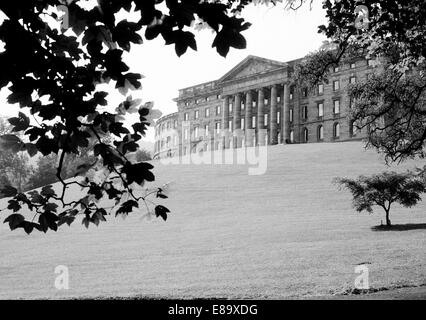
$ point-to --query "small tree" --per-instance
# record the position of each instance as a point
(383, 190)
(143, 155)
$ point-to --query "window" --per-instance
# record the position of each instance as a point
(218, 110)
(291, 136)
(175, 140)
(266, 101)
(253, 122)
(305, 112)
(230, 107)
(320, 132)
(291, 93)
(305, 135)
(336, 69)
(217, 127)
(370, 62)
(279, 99)
(320, 109)
(207, 99)
(291, 115)
(336, 106)
(253, 103)
(186, 103)
(265, 120)
(207, 113)
(206, 130)
(185, 134)
(196, 132)
(196, 114)
(186, 116)
(175, 124)
(320, 88)
(352, 80)
(353, 65)
(305, 92)
(230, 125)
(336, 85)
(278, 117)
(243, 105)
(352, 129)
(242, 124)
(336, 130)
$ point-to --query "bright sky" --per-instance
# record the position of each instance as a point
(275, 33)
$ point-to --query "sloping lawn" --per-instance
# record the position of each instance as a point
(288, 233)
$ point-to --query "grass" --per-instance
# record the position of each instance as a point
(286, 234)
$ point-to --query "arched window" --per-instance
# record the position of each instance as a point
(320, 132)
(336, 130)
(305, 135)
(291, 136)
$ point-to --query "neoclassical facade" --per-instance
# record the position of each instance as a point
(257, 102)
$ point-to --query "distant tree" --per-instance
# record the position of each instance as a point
(383, 190)
(143, 155)
(14, 166)
(44, 173)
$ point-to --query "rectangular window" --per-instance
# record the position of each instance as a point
(186, 116)
(352, 80)
(291, 115)
(196, 114)
(266, 101)
(217, 127)
(279, 99)
(265, 120)
(230, 125)
(336, 69)
(336, 85)
(278, 117)
(243, 105)
(253, 104)
(336, 106)
(320, 109)
(230, 107)
(207, 113)
(305, 112)
(305, 92)
(185, 134)
(217, 110)
(253, 122)
(242, 123)
(175, 124)
(353, 65)
(206, 130)
(320, 88)
(175, 141)
(196, 132)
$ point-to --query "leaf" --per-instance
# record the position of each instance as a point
(14, 205)
(161, 211)
(8, 191)
(14, 220)
(127, 207)
(22, 122)
(47, 191)
(11, 142)
(139, 172)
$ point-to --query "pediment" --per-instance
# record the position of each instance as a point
(250, 66)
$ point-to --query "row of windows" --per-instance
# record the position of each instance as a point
(206, 99)
(166, 126)
(320, 110)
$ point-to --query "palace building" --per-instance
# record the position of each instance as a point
(257, 101)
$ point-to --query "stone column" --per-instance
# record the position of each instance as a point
(273, 139)
(225, 122)
(237, 119)
(247, 121)
(260, 115)
(285, 114)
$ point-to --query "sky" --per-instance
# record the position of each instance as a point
(275, 33)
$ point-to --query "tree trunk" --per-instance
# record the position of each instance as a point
(388, 222)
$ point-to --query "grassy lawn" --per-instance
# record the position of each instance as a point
(285, 234)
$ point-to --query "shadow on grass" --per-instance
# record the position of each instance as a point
(400, 227)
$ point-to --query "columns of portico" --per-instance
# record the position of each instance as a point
(225, 122)
(273, 130)
(285, 113)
